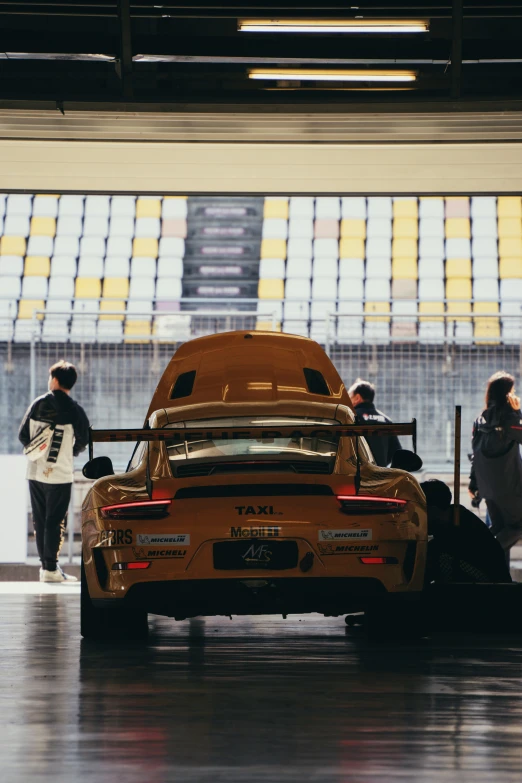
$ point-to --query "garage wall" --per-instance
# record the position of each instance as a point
(270, 168)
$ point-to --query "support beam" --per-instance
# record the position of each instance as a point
(456, 48)
(125, 63)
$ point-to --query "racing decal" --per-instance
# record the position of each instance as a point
(257, 510)
(148, 539)
(112, 537)
(335, 535)
(346, 549)
(268, 531)
(257, 553)
(148, 554)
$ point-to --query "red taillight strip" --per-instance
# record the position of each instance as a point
(132, 566)
(378, 560)
(372, 499)
(137, 503)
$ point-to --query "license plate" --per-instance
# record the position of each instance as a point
(255, 554)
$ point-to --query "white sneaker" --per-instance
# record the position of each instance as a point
(66, 577)
(51, 576)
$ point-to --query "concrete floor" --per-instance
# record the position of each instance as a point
(250, 700)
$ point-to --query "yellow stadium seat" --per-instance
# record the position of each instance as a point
(431, 307)
(458, 228)
(377, 307)
(137, 331)
(486, 327)
(276, 208)
(404, 248)
(406, 228)
(355, 229)
(459, 288)
(273, 248)
(87, 288)
(43, 227)
(509, 228)
(510, 248)
(351, 248)
(148, 207)
(271, 289)
(145, 247)
(115, 288)
(12, 246)
(509, 206)
(108, 306)
(510, 267)
(406, 208)
(37, 266)
(458, 267)
(26, 308)
(404, 269)
(268, 326)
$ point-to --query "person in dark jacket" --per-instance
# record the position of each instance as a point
(497, 464)
(51, 475)
(467, 553)
(362, 395)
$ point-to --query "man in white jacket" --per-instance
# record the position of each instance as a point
(51, 476)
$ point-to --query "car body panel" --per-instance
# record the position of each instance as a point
(258, 509)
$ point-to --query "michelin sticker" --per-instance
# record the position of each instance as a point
(150, 539)
(364, 534)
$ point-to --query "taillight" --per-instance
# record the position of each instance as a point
(370, 504)
(136, 565)
(379, 560)
(142, 509)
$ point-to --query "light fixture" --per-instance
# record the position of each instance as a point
(319, 26)
(324, 75)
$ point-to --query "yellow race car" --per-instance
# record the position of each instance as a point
(250, 491)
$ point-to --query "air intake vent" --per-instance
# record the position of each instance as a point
(304, 466)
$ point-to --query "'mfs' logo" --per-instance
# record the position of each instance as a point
(257, 553)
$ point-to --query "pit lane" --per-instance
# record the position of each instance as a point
(252, 699)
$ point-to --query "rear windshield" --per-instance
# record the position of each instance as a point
(193, 447)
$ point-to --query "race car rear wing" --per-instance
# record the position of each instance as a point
(232, 433)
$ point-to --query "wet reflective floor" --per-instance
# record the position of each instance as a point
(261, 699)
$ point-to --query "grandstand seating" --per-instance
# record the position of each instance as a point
(378, 268)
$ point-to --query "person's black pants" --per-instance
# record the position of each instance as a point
(49, 503)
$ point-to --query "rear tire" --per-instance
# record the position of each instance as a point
(109, 624)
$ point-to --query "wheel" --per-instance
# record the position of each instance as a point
(109, 624)
(398, 621)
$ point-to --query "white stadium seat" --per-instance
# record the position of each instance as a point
(142, 288)
(97, 205)
(168, 288)
(301, 207)
(147, 227)
(16, 225)
(90, 266)
(326, 267)
(10, 266)
(117, 266)
(123, 207)
(326, 248)
(45, 206)
(431, 290)
(432, 247)
(431, 208)
(70, 206)
(122, 226)
(69, 226)
(275, 228)
(458, 248)
(61, 288)
(143, 267)
(328, 207)
(11, 287)
(377, 290)
(63, 265)
(64, 246)
(351, 268)
(431, 227)
(380, 207)
(378, 267)
(484, 207)
(297, 310)
(34, 288)
(301, 228)
(172, 246)
(353, 208)
(96, 226)
(119, 246)
(431, 268)
(19, 204)
(484, 247)
(170, 266)
(298, 266)
(379, 247)
(485, 267)
(40, 246)
(299, 247)
(379, 227)
(174, 208)
(272, 268)
(484, 227)
(92, 246)
(485, 289)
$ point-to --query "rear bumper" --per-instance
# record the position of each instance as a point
(210, 597)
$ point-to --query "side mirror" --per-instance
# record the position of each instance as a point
(406, 460)
(98, 468)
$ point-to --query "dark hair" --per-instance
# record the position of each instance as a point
(498, 388)
(364, 388)
(65, 373)
(437, 493)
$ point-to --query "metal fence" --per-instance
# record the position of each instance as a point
(421, 378)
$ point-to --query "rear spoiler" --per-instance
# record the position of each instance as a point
(223, 433)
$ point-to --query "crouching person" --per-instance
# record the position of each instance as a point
(54, 430)
(467, 553)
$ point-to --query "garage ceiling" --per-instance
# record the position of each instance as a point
(172, 56)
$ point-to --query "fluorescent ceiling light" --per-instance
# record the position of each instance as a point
(353, 26)
(323, 75)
